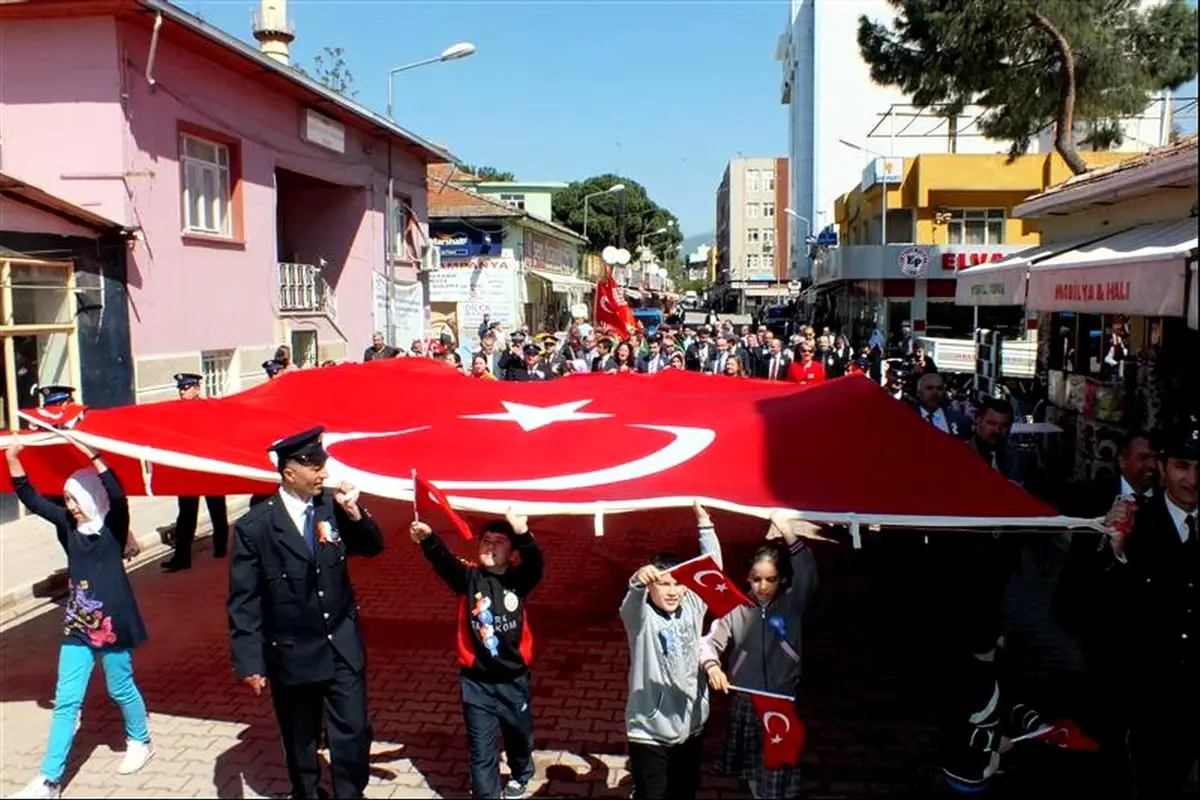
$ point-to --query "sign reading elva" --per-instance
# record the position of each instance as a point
(459, 242)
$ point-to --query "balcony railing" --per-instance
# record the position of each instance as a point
(302, 290)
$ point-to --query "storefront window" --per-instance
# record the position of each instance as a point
(950, 320)
(40, 295)
(975, 226)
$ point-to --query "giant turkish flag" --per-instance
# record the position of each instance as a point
(585, 444)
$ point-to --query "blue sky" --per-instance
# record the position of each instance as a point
(661, 91)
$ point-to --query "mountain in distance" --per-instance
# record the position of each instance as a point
(692, 242)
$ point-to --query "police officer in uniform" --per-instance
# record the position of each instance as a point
(1153, 607)
(293, 621)
(188, 384)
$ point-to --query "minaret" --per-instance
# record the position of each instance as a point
(273, 29)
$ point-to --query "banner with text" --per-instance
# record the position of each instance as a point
(991, 286)
(1151, 289)
(473, 280)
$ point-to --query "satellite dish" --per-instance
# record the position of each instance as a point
(609, 254)
(622, 256)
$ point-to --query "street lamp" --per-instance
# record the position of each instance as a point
(614, 189)
(642, 238)
(883, 189)
(451, 53)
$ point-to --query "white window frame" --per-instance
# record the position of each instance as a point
(751, 211)
(768, 262)
(516, 201)
(753, 181)
(769, 180)
(753, 262)
(956, 225)
(401, 218)
(192, 168)
(768, 210)
(768, 238)
(218, 373)
(753, 235)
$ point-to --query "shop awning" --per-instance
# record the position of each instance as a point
(563, 283)
(1141, 272)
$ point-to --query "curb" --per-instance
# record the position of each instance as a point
(29, 600)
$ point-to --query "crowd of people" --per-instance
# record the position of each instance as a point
(1098, 633)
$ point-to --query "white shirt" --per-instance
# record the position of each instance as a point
(1178, 516)
(1127, 490)
(937, 419)
(776, 366)
(296, 508)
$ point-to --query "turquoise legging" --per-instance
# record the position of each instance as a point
(75, 663)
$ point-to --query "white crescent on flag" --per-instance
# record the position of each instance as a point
(700, 576)
(766, 721)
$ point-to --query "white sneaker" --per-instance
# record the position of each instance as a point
(136, 756)
(39, 787)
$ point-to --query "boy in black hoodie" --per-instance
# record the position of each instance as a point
(495, 646)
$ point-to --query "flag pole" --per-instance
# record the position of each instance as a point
(416, 516)
(761, 693)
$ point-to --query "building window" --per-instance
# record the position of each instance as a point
(768, 262)
(768, 210)
(752, 235)
(769, 180)
(751, 210)
(207, 187)
(752, 181)
(753, 261)
(975, 226)
(513, 201)
(403, 247)
(216, 366)
(768, 239)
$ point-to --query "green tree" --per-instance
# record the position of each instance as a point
(490, 173)
(608, 213)
(1034, 63)
(329, 69)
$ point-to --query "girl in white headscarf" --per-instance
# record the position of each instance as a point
(102, 621)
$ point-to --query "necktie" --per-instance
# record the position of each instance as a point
(1190, 523)
(653, 365)
(775, 368)
(310, 537)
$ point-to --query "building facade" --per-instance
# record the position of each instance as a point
(907, 230)
(498, 258)
(265, 209)
(820, 62)
(752, 232)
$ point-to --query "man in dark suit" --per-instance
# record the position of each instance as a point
(654, 360)
(773, 366)
(699, 354)
(1153, 607)
(993, 424)
(532, 368)
(188, 385)
(930, 403)
(293, 621)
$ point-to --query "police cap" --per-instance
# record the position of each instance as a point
(304, 448)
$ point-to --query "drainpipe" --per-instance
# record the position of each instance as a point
(150, 59)
(387, 248)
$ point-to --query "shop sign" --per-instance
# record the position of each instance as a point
(542, 252)
(1151, 289)
(914, 261)
(474, 280)
(952, 261)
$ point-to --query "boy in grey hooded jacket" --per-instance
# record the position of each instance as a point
(668, 694)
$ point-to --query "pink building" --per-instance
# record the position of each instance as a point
(256, 202)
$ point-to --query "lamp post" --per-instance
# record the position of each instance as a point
(642, 237)
(883, 190)
(614, 189)
(451, 53)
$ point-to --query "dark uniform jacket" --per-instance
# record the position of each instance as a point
(291, 608)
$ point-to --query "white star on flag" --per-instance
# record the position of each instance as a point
(720, 587)
(776, 739)
(531, 418)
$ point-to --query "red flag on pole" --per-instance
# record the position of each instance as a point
(703, 576)
(1065, 734)
(428, 501)
(611, 308)
(783, 732)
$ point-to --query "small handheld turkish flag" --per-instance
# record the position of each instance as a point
(428, 500)
(783, 732)
(1066, 734)
(704, 577)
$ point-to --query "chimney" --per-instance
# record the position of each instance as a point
(273, 29)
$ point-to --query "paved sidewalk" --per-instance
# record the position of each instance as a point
(33, 565)
(214, 739)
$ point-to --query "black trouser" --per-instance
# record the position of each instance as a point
(491, 708)
(666, 772)
(341, 704)
(185, 527)
(1163, 751)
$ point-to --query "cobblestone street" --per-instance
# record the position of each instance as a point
(213, 738)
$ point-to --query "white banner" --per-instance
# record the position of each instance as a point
(991, 286)
(1151, 289)
(408, 311)
(475, 280)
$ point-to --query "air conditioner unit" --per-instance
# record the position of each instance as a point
(431, 258)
